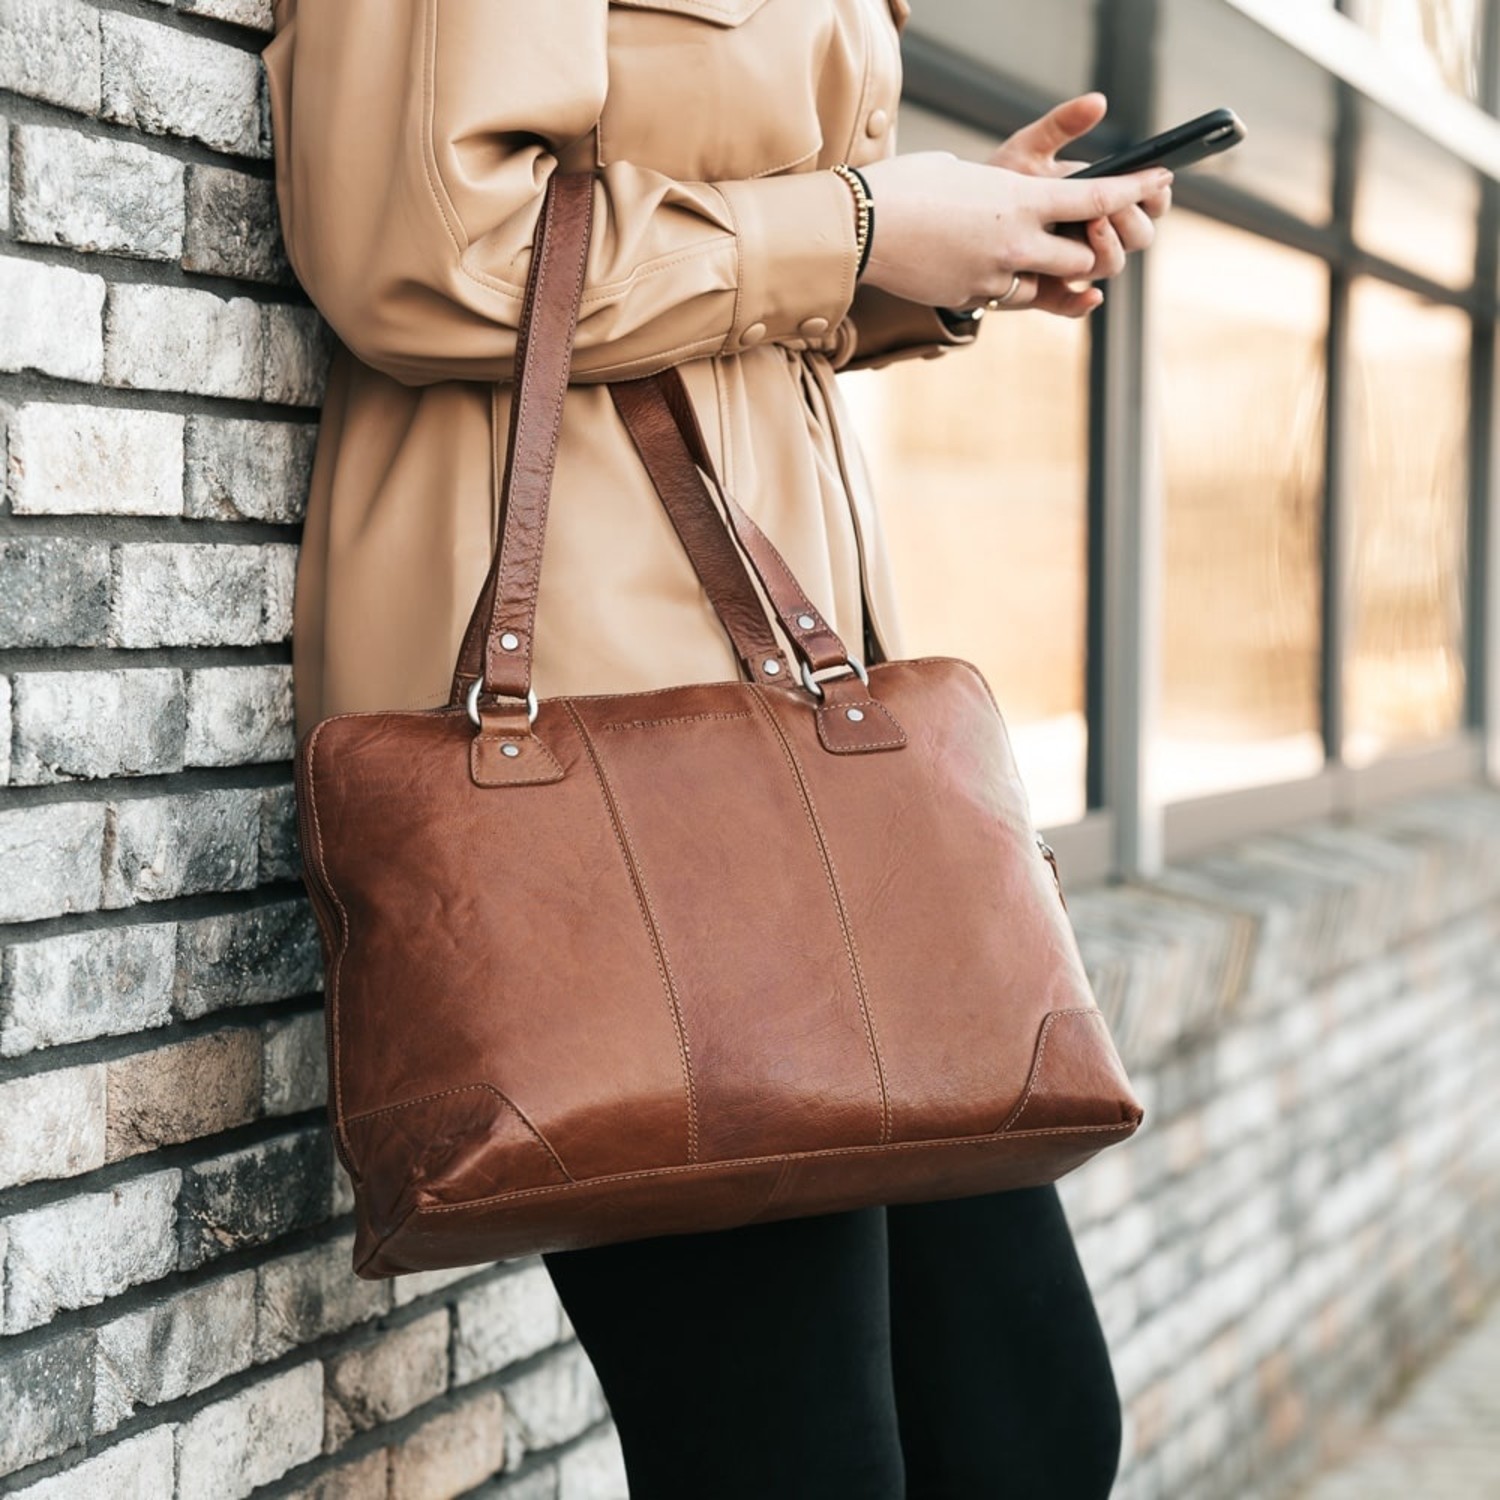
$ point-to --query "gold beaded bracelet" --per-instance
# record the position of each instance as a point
(864, 208)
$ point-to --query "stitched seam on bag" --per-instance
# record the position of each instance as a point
(830, 874)
(648, 915)
(1041, 1052)
(542, 778)
(332, 978)
(465, 1088)
(987, 1139)
(743, 713)
(855, 748)
(523, 395)
(895, 744)
(388, 1237)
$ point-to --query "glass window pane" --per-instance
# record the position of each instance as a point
(980, 464)
(1241, 328)
(1415, 204)
(1210, 55)
(1404, 681)
(1437, 39)
(1048, 47)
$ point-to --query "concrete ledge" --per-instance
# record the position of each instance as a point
(1243, 929)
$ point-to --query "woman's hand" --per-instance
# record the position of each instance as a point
(956, 233)
(1034, 150)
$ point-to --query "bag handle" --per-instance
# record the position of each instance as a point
(496, 652)
(495, 657)
(659, 412)
(497, 645)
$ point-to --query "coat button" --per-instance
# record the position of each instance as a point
(877, 122)
(813, 327)
(753, 334)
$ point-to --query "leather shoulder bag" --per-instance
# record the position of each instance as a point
(600, 968)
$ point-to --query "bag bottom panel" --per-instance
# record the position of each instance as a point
(724, 1195)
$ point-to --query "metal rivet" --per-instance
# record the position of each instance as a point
(856, 714)
(806, 621)
(510, 640)
(771, 666)
(511, 750)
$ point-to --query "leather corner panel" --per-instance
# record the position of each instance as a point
(467, 1142)
(1076, 1077)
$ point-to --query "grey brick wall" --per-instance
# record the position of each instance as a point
(1312, 1017)
(177, 1316)
(1313, 1207)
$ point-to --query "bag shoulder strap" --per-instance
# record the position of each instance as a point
(497, 646)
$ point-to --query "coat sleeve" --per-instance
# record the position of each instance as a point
(887, 328)
(414, 140)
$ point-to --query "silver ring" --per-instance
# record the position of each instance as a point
(1008, 293)
(472, 704)
(816, 688)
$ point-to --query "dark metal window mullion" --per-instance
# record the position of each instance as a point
(1482, 595)
(1338, 499)
(1121, 641)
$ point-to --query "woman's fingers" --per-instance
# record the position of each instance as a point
(1025, 295)
(1109, 251)
(1064, 301)
(1065, 200)
(1002, 220)
(1040, 141)
(1156, 205)
(1061, 255)
(1135, 228)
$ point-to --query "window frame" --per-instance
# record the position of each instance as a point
(1124, 834)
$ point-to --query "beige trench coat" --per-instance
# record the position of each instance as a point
(414, 140)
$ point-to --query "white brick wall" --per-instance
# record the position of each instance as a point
(83, 460)
(1311, 1204)
(92, 193)
(54, 320)
(173, 1229)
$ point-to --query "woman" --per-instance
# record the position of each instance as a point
(933, 1351)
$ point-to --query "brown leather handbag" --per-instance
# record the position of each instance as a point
(600, 968)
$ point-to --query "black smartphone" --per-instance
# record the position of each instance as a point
(1179, 147)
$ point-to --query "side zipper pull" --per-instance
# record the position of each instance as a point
(1051, 858)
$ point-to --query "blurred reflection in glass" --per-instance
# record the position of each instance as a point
(1241, 391)
(1410, 395)
(1048, 48)
(1415, 204)
(1208, 54)
(1439, 39)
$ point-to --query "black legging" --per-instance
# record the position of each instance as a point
(946, 1351)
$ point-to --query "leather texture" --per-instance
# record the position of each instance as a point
(411, 160)
(705, 955)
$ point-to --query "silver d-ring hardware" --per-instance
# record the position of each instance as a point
(472, 704)
(815, 687)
